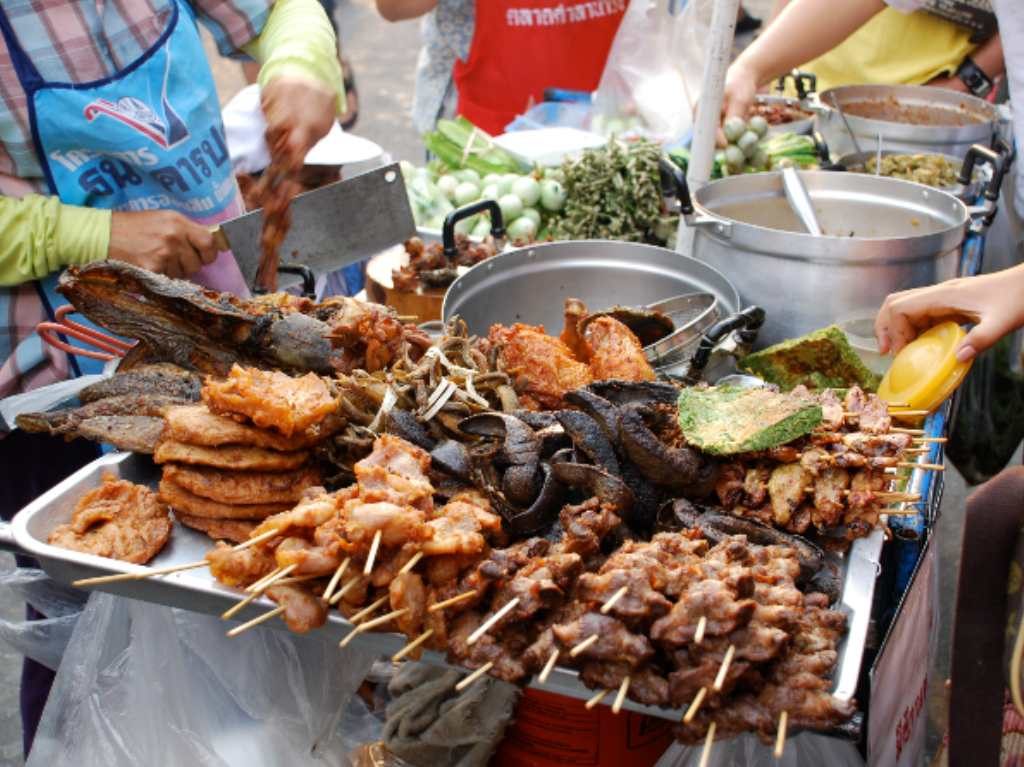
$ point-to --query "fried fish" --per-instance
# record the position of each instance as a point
(242, 487)
(234, 530)
(236, 457)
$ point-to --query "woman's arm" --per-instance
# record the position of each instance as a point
(399, 10)
(803, 30)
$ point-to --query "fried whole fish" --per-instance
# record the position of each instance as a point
(180, 322)
(162, 379)
(66, 421)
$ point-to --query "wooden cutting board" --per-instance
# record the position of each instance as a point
(425, 305)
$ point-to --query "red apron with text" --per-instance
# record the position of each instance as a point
(521, 47)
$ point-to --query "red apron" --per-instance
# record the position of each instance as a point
(521, 47)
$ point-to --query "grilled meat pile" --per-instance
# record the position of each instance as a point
(429, 267)
(834, 477)
(673, 606)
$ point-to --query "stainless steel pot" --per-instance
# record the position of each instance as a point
(530, 284)
(954, 120)
(881, 235)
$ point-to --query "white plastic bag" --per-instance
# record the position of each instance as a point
(143, 684)
(44, 641)
(651, 81)
(807, 749)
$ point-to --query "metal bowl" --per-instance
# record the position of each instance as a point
(531, 284)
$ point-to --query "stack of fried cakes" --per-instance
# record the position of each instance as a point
(245, 452)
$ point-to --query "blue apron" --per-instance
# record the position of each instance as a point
(149, 137)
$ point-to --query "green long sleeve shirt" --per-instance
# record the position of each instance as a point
(40, 235)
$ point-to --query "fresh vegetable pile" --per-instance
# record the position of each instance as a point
(752, 150)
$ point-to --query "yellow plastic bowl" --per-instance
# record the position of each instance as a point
(926, 371)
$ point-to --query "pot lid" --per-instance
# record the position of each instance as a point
(926, 371)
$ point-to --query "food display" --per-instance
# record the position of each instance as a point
(779, 113)
(430, 268)
(517, 502)
(928, 169)
(752, 150)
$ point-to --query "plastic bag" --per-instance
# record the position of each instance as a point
(989, 421)
(45, 640)
(146, 684)
(651, 82)
(807, 749)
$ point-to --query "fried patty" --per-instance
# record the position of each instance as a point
(196, 425)
(234, 530)
(181, 500)
(119, 520)
(236, 457)
(239, 487)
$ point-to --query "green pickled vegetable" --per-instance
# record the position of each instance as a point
(526, 189)
(465, 193)
(552, 195)
(733, 128)
(522, 229)
(511, 207)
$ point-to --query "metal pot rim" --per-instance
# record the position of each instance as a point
(828, 248)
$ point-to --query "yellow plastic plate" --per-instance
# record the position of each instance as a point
(926, 371)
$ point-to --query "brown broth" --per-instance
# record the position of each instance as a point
(891, 110)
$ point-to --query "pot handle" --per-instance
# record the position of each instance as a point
(673, 184)
(308, 278)
(748, 322)
(821, 146)
(480, 206)
(805, 83)
(978, 154)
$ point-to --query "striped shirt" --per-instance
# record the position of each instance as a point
(78, 41)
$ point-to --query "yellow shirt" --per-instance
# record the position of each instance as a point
(894, 49)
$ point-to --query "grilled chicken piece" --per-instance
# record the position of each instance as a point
(303, 611)
(788, 487)
(830, 497)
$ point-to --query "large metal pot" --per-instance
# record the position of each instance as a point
(912, 118)
(881, 235)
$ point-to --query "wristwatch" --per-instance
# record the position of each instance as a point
(974, 78)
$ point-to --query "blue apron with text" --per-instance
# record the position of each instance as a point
(149, 137)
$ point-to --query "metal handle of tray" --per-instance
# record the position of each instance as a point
(7, 542)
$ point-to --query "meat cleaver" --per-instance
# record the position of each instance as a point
(333, 226)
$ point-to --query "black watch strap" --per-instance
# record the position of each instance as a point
(974, 78)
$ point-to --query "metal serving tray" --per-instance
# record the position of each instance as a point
(197, 590)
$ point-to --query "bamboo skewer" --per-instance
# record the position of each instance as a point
(368, 567)
(256, 621)
(258, 539)
(487, 624)
(691, 712)
(344, 590)
(546, 671)
(411, 563)
(451, 601)
(724, 670)
(595, 699)
(230, 612)
(273, 578)
(583, 645)
(296, 579)
(708, 742)
(412, 645)
(363, 627)
(702, 625)
(137, 576)
(610, 602)
(780, 739)
(366, 611)
(474, 676)
(925, 466)
(932, 440)
(336, 579)
(901, 430)
(620, 696)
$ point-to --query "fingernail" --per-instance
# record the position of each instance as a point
(965, 353)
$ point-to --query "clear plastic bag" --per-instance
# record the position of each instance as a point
(807, 749)
(44, 641)
(651, 82)
(153, 685)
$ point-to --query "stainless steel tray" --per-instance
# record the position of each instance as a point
(197, 590)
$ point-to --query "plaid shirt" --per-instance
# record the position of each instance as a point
(79, 41)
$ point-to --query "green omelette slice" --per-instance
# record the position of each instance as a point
(727, 420)
(823, 359)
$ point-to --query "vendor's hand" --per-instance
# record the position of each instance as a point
(992, 301)
(160, 240)
(299, 112)
(740, 91)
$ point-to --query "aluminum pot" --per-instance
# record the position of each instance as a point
(881, 235)
(910, 118)
(530, 284)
